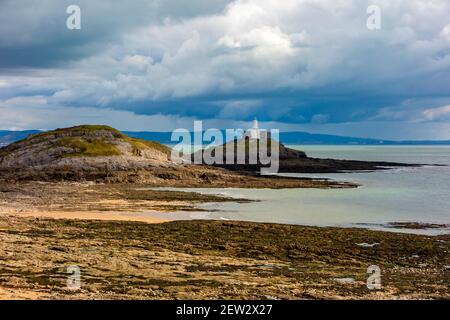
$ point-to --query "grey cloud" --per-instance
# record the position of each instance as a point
(264, 53)
(34, 33)
(292, 62)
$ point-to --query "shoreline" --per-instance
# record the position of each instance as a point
(93, 216)
(157, 217)
(143, 203)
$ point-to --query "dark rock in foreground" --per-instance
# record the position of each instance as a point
(216, 260)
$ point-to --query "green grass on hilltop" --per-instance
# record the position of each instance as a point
(83, 129)
(138, 145)
(88, 147)
(86, 143)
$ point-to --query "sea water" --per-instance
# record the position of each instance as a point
(408, 194)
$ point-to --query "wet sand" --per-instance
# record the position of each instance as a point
(93, 215)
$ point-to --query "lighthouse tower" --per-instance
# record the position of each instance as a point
(254, 132)
(255, 124)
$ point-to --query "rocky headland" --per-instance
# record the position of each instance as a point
(103, 154)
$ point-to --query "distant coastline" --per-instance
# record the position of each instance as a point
(288, 138)
(304, 138)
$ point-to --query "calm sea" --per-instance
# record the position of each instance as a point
(399, 195)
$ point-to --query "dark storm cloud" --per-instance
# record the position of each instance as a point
(34, 33)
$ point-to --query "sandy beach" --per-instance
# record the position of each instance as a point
(94, 215)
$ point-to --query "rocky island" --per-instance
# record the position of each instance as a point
(104, 154)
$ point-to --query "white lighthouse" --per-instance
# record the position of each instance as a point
(254, 132)
(255, 124)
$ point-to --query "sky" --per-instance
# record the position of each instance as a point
(295, 65)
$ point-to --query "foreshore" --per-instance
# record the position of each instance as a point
(124, 253)
(215, 260)
(106, 200)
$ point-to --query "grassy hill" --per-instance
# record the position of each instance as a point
(86, 141)
(81, 151)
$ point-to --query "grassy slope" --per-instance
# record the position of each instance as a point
(80, 138)
(88, 147)
(80, 130)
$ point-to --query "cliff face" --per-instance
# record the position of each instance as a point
(83, 148)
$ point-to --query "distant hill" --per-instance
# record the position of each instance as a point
(302, 138)
(287, 138)
(305, 138)
(7, 137)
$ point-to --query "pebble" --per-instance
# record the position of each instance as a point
(423, 265)
(271, 298)
(367, 245)
(344, 280)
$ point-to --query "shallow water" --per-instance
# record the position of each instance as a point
(399, 195)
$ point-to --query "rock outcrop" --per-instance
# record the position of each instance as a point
(290, 160)
(81, 151)
(245, 146)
